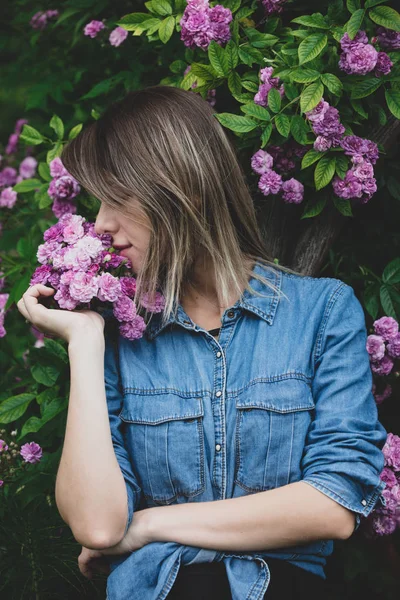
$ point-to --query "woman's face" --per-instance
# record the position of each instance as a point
(124, 231)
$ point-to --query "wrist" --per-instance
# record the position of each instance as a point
(84, 339)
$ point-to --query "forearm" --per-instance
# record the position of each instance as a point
(90, 488)
(290, 515)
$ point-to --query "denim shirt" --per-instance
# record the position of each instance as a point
(283, 395)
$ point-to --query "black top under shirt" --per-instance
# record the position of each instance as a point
(215, 331)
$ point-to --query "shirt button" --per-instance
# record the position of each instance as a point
(231, 314)
(218, 447)
(219, 393)
(219, 354)
(364, 502)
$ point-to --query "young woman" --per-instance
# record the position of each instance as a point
(220, 454)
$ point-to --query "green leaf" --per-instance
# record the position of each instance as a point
(58, 126)
(311, 47)
(255, 110)
(274, 100)
(371, 3)
(218, 59)
(266, 134)
(310, 158)
(312, 209)
(342, 165)
(353, 5)
(44, 171)
(25, 248)
(393, 102)
(391, 273)
(166, 29)
(354, 23)
(234, 83)
(34, 424)
(54, 152)
(390, 300)
(291, 91)
(106, 86)
(44, 200)
(232, 54)
(282, 123)
(371, 299)
(358, 107)
(385, 16)
(343, 205)
(324, 172)
(45, 374)
(14, 407)
(393, 185)
(56, 348)
(177, 66)
(27, 185)
(315, 20)
(160, 7)
(333, 83)
(205, 72)
(299, 129)
(31, 136)
(365, 88)
(250, 85)
(305, 75)
(236, 122)
(311, 96)
(248, 55)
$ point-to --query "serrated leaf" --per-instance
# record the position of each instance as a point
(365, 88)
(205, 72)
(236, 122)
(299, 129)
(393, 102)
(305, 75)
(353, 5)
(255, 110)
(234, 83)
(354, 23)
(160, 7)
(54, 152)
(218, 59)
(390, 300)
(333, 83)
(393, 186)
(250, 86)
(311, 96)
(14, 407)
(274, 100)
(311, 47)
(324, 172)
(310, 158)
(341, 166)
(56, 348)
(391, 273)
(385, 16)
(291, 91)
(58, 126)
(44, 171)
(232, 54)
(44, 200)
(371, 3)
(312, 209)
(31, 135)
(315, 20)
(371, 299)
(27, 185)
(45, 374)
(343, 205)
(166, 29)
(266, 134)
(282, 123)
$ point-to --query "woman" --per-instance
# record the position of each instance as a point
(239, 436)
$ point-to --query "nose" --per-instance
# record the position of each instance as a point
(104, 222)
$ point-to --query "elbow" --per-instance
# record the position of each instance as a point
(96, 540)
(345, 525)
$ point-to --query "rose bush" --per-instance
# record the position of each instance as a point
(308, 91)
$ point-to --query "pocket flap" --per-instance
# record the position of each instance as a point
(284, 395)
(158, 408)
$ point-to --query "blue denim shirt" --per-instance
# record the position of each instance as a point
(284, 394)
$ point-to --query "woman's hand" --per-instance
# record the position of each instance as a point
(92, 561)
(61, 323)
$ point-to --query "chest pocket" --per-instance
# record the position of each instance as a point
(165, 437)
(272, 420)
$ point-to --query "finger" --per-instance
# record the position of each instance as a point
(22, 309)
(30, 299)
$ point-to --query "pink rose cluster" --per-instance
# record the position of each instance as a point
(63, 189)
(200, 24)
(116, 37)
(286, 156)
(273, 6)
(325, 123)
(12, 145)
(267, 83)
(271, 182)
(359, 57)
(40, 19)
(384, 520)
(210, 93)
(84, 269)
(383, 346)
(31, 452)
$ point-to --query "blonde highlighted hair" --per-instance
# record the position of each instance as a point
(163, 147)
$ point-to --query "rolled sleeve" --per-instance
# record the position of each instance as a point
(114, 404)
(343, 455)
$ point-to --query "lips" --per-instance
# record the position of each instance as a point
(122, 247)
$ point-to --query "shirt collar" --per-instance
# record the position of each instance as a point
(264, 306)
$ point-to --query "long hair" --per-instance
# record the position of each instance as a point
(163, 147)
